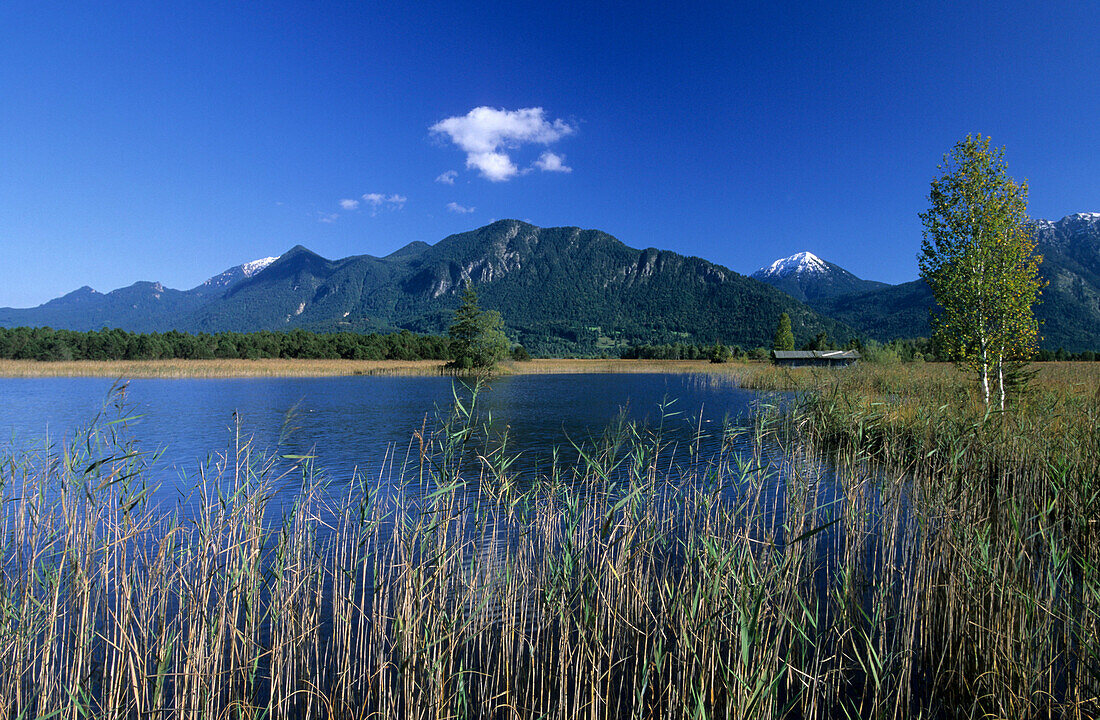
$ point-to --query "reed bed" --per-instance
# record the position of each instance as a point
(268, 367)
(281, 367)
(560, 366)
(803, 572)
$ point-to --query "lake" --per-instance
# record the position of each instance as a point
(351, 424)
(792, 584)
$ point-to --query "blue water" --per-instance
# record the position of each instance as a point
(351, 424)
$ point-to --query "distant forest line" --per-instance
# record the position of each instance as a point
(114, 344)
(47, 344)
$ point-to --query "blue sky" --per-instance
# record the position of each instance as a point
(169, 141)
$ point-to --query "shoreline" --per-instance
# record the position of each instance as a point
(278, 367)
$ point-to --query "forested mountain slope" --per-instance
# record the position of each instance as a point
(560, 290)
(1069, 307)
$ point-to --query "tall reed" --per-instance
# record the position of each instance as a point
(954, 576)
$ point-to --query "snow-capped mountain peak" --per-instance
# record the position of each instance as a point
(232, 275)
(797, 264)
(251, 268)
(804, 276)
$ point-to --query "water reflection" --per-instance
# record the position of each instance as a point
(367, 425)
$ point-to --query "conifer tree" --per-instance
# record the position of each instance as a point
(477, 336)
(784, 337)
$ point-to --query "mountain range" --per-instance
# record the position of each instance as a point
(560, 290)
(1068, 310)
(567, 290)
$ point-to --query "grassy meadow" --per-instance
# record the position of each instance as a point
(904, 554)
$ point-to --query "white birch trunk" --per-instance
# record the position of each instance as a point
(1001, 382)
(985, 376)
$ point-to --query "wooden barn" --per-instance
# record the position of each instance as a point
(815, 358)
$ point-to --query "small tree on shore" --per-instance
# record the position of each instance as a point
(784, 336)
(978, 256)
(719, 353)
(477, 336)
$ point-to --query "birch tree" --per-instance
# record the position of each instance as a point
(978, 256)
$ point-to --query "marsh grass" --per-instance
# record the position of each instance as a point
(278, 367)
(942, 564)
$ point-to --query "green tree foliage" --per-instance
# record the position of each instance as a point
(784, 337)
(48, 344)
(978, 256)
(666, 351)
(477, 336)
(905, 350)
(720, 353)
(821, 342)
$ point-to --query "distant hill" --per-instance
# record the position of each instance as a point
(806, 277)
(141, 307)
(560, 290)
(1069, 308)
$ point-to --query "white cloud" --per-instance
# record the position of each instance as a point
(460, 209)
(381, 201)
(495, 166)
(447, 178)
(552, 162)
(328, 217)
(349, 204)
(484, 133)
